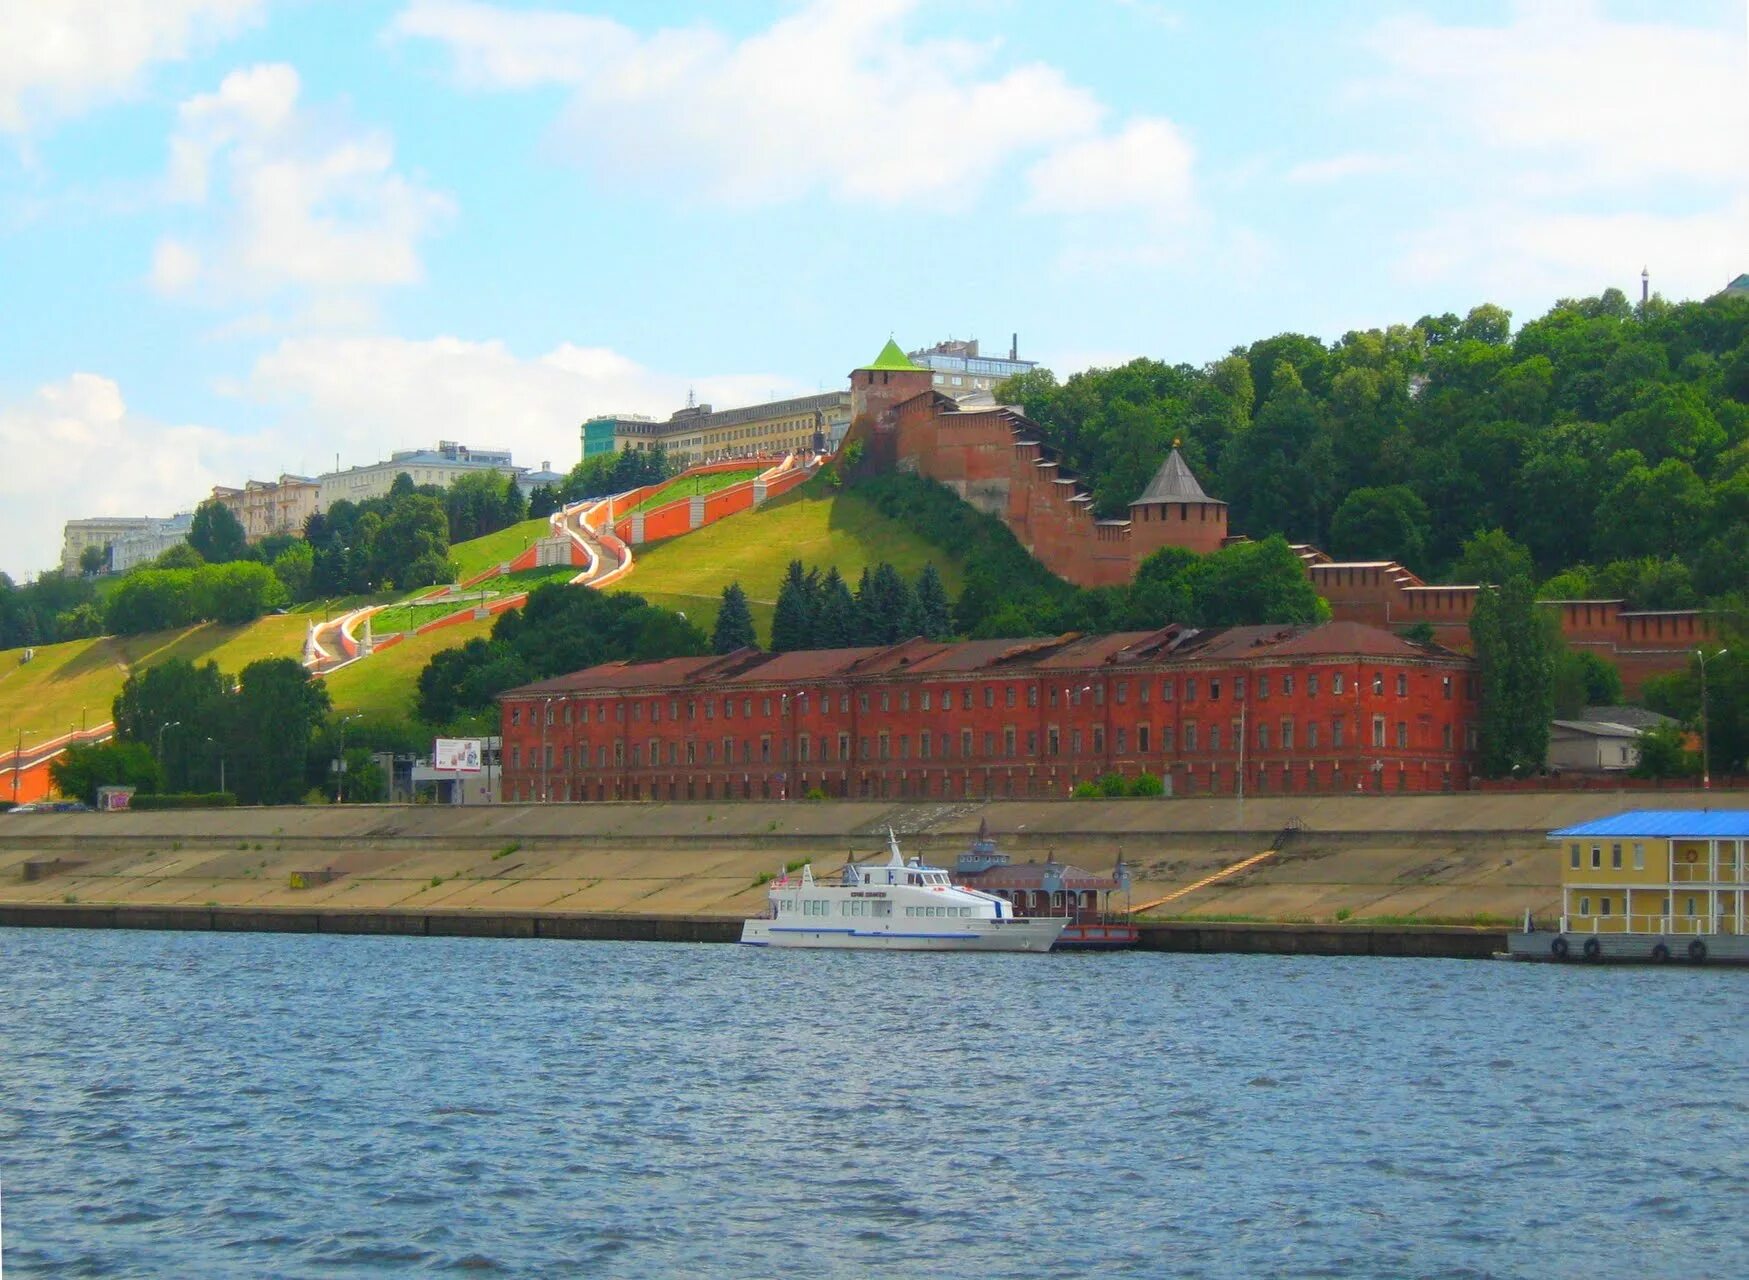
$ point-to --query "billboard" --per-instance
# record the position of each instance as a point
(458, 755)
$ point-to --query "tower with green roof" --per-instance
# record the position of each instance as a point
(877, 389)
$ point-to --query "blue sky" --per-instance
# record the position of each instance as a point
(239, 237)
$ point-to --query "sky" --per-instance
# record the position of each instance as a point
(246, 237)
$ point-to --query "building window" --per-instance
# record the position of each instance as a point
(1312, 736)
(927, 704)
(1214, 690)
(1099, 739)
(1287, 735)
(1190, 735)
(1445, 736)
(1603, 904)
(923, 745)
(1311, 686)
(1615, 857)
(965, 744)
(1445, 687)
(1238, 688)
(1287, 686)
(515, 716)
(989, 695)
(1053, 743)
(1336, 733)
(1008, 742)
(1189, 689)
(1402, 734)
(1596, 857)
(1214, 738)
(1032, 695)
(1585, 906)
(1142, 736)
(1008, 696)
(1378, 731)
(1032, 744)
(1262, 686)
(1573, 856)
(1402, 684)
(1378, 682)
(1262, 737)
(1166, 688)
(1639, 856)
(989, 744)
(1336, 682)
(1120, 741)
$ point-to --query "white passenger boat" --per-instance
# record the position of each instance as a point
(898, 906)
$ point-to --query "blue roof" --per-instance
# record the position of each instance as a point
(1668, 824)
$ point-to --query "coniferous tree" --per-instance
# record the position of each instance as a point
(1515, 651)
(885, 603)
(835, 619)
(934, 612)
(792, 625)
(734, 629)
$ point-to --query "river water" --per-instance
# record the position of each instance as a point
(183, 1104)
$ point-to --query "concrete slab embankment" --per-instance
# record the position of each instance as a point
(1385, 858)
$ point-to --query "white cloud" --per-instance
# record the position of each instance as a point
(107, 461)
(1148, 166)
(58, 57)
(1572, 148)
(1509, 251)
(365, 396)
(1595, 102)
(834, 97)
(1351, 164)
(304, 201)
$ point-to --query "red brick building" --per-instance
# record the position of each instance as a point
(1330, 708)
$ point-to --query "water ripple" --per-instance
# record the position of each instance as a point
(179, 1104)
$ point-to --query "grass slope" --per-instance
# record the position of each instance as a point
(820, 527)
(78, 680)
(385, 684)
(480, 554)
(694, 487)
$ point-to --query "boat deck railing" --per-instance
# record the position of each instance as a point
(1649, 924)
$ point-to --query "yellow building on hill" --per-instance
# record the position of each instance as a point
(1651, 884)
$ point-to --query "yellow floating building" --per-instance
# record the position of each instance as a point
(1650, 884)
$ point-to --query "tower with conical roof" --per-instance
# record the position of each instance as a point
(1173, 511)
(876, 391)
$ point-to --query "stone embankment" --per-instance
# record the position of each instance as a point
(1361, 875)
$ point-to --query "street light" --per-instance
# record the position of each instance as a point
(173, 724)
(1706, 774)
(18, 761)
(214, 742)
(340, 757)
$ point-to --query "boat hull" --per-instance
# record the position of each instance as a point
(1629, 948)
(979, 935)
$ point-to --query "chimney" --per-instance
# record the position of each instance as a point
(1645, 286)
(1014, 347)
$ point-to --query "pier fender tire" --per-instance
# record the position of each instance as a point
(1558, 948)
(1697, 951)
(1661, 953)
(1593, 949)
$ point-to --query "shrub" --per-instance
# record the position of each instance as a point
(185, 800)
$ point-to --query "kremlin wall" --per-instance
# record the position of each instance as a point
(995, 459)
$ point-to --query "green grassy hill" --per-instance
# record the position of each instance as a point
(814, 524)
(75, 682)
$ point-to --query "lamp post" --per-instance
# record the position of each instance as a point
(173, 724)
(18, 761)
(340, 756)
(1706, 774)
(546, 718)
(214, 742)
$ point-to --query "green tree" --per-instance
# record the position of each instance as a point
(174, 706)
(79, 771)
(216, 534)
(94, 560)
(883, 605)
(792, 623)
(734, 629)
(1514, 647)
(1664, 753)
(1492, 558)
(1582, 679)
(1388, 523)
(277, 708)
(835, 624)
(295, 567)
(934, 612)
